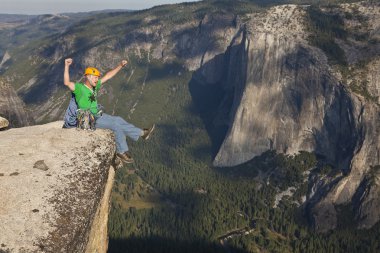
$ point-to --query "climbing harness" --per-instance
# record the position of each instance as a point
(85, 120)
(81, 118)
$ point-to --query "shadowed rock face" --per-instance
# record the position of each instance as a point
(3, 123)
(359, 187)
(55, 186)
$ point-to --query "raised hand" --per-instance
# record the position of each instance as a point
(68, 61)
(123, 63)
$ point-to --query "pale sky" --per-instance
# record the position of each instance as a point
(60, 6)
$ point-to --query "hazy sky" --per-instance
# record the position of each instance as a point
(59, 6)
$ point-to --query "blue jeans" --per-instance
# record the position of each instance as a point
(121, 128)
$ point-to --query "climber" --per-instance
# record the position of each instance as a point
(86, 99)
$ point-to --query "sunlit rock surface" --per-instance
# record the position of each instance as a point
(54, 185)
(3, 123)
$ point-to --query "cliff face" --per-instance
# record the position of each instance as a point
(289, 99)
(292, 99)
(3, 123)
(55, 185)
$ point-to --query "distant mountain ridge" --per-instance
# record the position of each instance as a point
(6, 17)
(13, 17)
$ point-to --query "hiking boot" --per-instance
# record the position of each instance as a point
(147, 132)
(125, 157)
(116, 162)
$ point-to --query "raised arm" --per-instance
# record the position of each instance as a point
(66, 75)
(113, 72)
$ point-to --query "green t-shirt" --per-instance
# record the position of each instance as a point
(86, 97)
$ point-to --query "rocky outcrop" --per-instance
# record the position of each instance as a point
(55, 185)
(3, 123)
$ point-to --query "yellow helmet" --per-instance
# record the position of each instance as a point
(92, 71)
